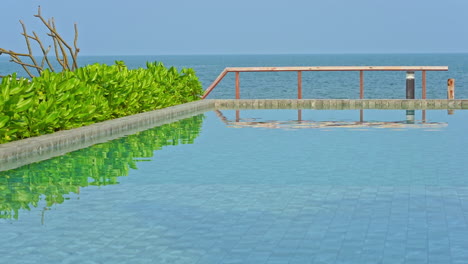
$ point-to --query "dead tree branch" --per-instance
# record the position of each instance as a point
(62, 49)
(56, 35)
(44, 51)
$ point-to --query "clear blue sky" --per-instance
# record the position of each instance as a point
(155, 27)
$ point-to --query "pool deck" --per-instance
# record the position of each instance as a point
(22, 152)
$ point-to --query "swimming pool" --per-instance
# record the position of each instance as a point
(339, 186)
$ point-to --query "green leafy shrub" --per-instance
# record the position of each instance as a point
(98, 92)
(98, 165)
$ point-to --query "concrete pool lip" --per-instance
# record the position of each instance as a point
(18, 153)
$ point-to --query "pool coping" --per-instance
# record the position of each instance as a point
(18, 153)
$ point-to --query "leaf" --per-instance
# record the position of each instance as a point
(23, 105)
(3, 120)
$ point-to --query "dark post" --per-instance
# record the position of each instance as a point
(410, 116)
(409, 85)
(410, 95)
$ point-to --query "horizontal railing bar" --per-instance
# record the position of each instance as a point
(338, 68)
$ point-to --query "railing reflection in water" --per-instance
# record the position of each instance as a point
(409, 121)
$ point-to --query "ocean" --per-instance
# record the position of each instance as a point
(283, 85)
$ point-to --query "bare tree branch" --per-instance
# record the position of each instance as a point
(44, 51)
(17, 60)
(26, 37)
(57, 55)
(61, 47)
(54, 32)
(60, 44)
(75, 42)
(12, 52)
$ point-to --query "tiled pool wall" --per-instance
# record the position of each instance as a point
(22, 152)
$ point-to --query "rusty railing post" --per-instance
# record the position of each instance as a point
(299, 84)
(423, 84)
(451, 89)
(237, 85)
(361, 84)
(450, 93)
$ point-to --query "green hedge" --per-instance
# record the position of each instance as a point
(54, 179)
(98, 92)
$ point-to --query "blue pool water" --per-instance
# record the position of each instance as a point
(336, 187)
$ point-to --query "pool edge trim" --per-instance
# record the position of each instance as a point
(22, 152)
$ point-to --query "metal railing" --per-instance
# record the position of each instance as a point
(299, 70)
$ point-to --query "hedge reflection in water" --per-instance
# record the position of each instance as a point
(97, 165)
